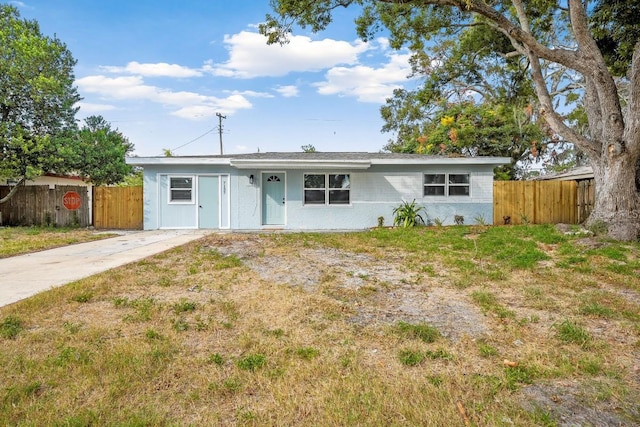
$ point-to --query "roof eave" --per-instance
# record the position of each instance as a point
(437, 160)
(299, 164)
(156, 161)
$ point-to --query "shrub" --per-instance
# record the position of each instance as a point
(408, 215)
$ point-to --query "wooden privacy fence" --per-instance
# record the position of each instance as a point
(64, 205)
(542, 202)
(118, 208)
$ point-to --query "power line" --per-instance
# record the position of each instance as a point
(194, 139)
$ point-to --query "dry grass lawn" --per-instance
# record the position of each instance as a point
(482, 326)
(21, 240)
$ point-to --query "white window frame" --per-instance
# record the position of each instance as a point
(170, 189)
(447, 185)
(326, 189)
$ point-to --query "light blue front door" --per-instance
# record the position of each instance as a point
(208, 202)
(273, 201)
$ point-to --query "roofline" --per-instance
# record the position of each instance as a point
(424, 160)
(275, 162)
(299, 163)
(143, 161)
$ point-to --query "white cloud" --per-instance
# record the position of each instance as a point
(160, 69)
(191, 105)
(91, 108)
(250, 56)
(287, 91)
(366, 83)
(251, 93)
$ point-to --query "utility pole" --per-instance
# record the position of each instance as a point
(220, 117)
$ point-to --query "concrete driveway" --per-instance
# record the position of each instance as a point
(26, 275)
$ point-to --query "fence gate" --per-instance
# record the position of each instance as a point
(535, 202)
(118, 208)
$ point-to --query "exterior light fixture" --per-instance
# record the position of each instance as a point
(251, 179)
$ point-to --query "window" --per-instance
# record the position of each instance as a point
(323, 189)
(180, 189)
(440, 184)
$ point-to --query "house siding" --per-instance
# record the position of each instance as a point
(375, 192)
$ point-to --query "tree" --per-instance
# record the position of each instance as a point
(545, 34)
(308, 148)
(467, 128)
(37, 99)
(100, 152)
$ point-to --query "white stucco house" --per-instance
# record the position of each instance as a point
(311, 191)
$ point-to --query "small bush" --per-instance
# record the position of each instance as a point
(408, 215)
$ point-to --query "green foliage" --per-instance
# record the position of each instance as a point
(465, 128)
(184, 306)
(100, 152)
(38, 129)
(571, 332)
(411, 357)
(616, 28)
(82, 297)
(251, 362)
(217, 359)
(307, 353)
(10, 327)
(309, 148)
(37, 99)
(421, 331)
(408, 215)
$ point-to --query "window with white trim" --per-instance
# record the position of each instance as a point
(180, 189)
(447, 184)
(327, 189)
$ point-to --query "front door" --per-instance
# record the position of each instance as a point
(208, 202)
(273, 199)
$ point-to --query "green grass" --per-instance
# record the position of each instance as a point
(420, 331)
(571, 332)
(10, 327)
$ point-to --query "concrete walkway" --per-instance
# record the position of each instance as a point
(26, 275)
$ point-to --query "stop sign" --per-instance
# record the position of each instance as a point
(71, 200)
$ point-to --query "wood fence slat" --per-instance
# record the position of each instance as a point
(41, 205)
(542, 202)
(118, 208)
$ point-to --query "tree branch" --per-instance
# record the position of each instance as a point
(546, 101)
(13, 191)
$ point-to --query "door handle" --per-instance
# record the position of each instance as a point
(283, 200)
(200, 206)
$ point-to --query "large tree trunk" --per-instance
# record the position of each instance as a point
(617, 203)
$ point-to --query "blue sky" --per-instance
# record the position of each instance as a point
(159, 71)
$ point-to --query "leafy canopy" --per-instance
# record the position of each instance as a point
(37, 98)
(38, 129)
(100, 152)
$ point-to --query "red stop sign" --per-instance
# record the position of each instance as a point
(71, 200)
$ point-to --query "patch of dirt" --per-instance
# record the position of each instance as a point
(572, 404)
(392, 294)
